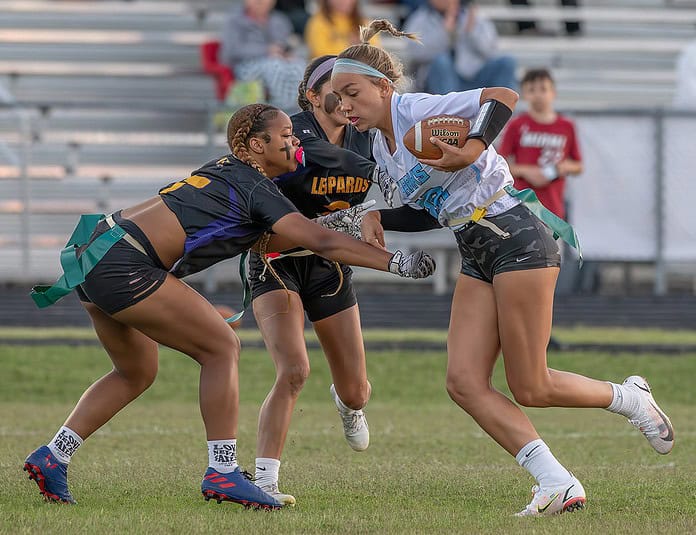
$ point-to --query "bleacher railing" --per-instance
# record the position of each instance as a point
(633, 202)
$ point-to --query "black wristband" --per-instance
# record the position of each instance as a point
(490, 121)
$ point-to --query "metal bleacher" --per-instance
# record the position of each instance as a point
(111, 104)
(110, 101)
(624, 57)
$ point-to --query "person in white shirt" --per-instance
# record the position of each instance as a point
(503, 298)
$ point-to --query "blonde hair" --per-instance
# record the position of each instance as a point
(376, 57)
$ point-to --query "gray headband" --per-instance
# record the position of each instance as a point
(323, 68)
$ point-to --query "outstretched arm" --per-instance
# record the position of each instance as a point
(339, 247)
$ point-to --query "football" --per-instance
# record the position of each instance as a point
(448, 128)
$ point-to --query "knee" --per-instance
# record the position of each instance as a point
(464, 392)
(532, 393)
(223, 347)
(141, 378)
(293, 377)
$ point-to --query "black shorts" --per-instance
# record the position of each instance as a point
(312, 277)
(124, 276)
(530, 246)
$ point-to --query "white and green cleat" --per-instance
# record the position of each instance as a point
(564, 499)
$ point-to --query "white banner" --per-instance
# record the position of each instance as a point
(680, 189)
(612, 204)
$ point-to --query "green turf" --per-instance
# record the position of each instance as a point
(599, 335)
(429, 469)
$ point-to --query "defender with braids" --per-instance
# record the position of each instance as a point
(337, 174)
(509, 265)
(127, 267)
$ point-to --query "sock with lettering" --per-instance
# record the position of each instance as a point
(537, 459)
(222, 455)
(65, 444)
(266, 471)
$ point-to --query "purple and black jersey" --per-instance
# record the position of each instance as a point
(224, 207)
(333, 177)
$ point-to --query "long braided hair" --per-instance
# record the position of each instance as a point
(247, 122)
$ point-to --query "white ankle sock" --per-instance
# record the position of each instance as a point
(222, 455)
(266, 471)
(538, 460)
(65, 444)
(626, 401)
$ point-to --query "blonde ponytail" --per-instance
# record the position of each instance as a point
(377, 57)
(382, 25)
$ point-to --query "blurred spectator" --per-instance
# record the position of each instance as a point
(458, 49)
(7, 155)
(296, 11)
(685, 93)
(256, 44)
(541, 146)
(412, 5)
(529, 26)
(334, 27)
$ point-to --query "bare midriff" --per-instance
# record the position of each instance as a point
(161, 227)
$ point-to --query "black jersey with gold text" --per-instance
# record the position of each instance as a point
(333, 177)
(224, 207)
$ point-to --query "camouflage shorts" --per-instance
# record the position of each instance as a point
(530, 246)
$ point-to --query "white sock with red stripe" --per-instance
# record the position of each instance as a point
(222, 455)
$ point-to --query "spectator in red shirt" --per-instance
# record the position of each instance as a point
(541, 146)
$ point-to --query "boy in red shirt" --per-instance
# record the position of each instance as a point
(541, 146)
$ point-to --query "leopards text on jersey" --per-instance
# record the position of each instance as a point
(333, 177)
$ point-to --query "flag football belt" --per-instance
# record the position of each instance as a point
(270, 257)
(527, 196)
(76, 269)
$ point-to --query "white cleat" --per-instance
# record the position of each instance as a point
(285, 499)
(565, 499)
(650, 420)
(354, 424)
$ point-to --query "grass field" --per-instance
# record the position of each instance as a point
(429, 469)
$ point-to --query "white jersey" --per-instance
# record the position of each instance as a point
(445, 195)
